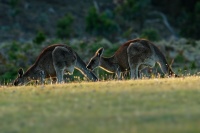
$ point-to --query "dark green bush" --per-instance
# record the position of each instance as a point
(131, 9)
(180, 58)
(8, 76)
(94, 46)
(192, 42)
(150, 34)
(128, 33)
(111, 51)
(14, 5)
(191, 23)
(100, 23)
(15, 46)
(13, 51)
(193, 65)
(39, 38)
(64, 26)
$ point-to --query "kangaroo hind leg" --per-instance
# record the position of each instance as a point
(137, 55)
(63, 59)
(59, 74)
(134, 65)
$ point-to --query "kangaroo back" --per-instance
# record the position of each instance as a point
(49, 49)
(122, 56)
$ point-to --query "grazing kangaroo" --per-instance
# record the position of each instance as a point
(133, 55)
(52, 62)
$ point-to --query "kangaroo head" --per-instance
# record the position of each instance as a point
(20, 78)
(95, 60)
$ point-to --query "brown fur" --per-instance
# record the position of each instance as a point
(133, 55)
(51, 63)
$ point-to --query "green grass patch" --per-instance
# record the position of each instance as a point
(131, 106)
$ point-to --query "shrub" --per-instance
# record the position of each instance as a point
(64, 26)
(191, 42)
(131, 9)
(193, 65)
(180, 58)
(100, 23)
(150, 34)
(9, 75)
(14, 5)
(39, 38)
(191, 24)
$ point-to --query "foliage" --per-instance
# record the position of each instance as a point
(114, 19)
(64, 26)
(128, 33)
(14, 5)
(100, 23)
(132, 9)
(6, 78)
(180, 58)
(192, 30)
(111, 51)
(150, 34)
(16, 54)
(192, 42)
(39, 38)
(193, 65)
(12, 53)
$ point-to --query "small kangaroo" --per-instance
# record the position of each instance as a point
(52, 62)
(133, 56)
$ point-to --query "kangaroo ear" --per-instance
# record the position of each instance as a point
(100, 51)
(20, 72)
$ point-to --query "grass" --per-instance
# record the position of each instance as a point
(132, 106)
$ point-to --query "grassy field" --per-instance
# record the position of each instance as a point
(132, 106)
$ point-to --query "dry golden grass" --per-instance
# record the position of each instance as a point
(131, 106)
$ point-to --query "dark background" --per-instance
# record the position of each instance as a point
(23, 19)
(27, 26)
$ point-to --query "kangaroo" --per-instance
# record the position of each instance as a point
(133, 56)
(52, 62)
